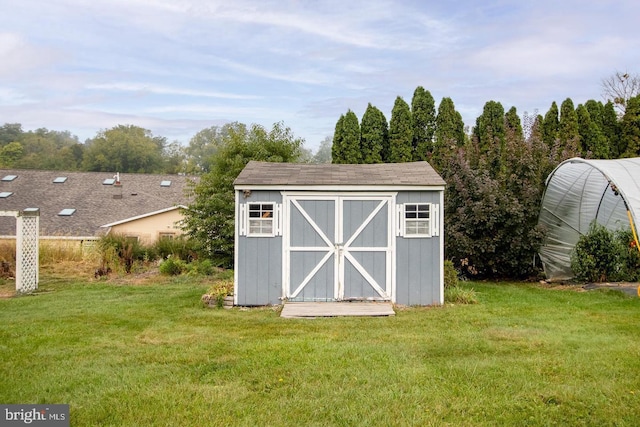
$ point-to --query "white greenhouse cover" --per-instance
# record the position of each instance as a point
(579, 191)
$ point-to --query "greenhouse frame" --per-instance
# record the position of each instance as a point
(579, 192)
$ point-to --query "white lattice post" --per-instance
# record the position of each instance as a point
(27, 248)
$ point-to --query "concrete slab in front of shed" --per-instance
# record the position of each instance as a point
(336, 309)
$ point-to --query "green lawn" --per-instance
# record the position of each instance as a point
(151, 355)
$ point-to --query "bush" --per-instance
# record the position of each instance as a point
(602, 255)
(628, 257)
(201, 267)
(117, 248)
(454, 293)
(460, 295)
(180, 247)
(450, 275)
(172, 267)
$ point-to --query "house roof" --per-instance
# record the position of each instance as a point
(361, 175)
(96, 198)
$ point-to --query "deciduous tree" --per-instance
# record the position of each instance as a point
(125, 148)
(210, 218)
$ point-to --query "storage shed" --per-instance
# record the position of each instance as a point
(579, 192)
(335, 232)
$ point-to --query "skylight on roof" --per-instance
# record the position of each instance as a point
(5, 194)
(165, 184)
(60, 180)
(109, 181)
(9, 177)
(66, 212)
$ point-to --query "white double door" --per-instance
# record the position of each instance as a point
(338, 247)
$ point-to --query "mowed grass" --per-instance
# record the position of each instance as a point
(150, 354)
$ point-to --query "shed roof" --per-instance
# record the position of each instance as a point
(302, 174)
(96, 203)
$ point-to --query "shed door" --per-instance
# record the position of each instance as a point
(338, 248)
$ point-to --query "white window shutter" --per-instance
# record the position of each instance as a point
(435, 219)
(278, 219)
(242, 220)
(400, 220)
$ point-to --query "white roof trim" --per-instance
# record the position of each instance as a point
(339, 188)
(134, 218)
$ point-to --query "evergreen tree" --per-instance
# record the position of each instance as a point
(568, 131)
(630, 128)
(551, 125)
(423, 114)
(611, 130)
(596, 112)
(374, 138)
(449, 133)
(490, 127)
(400, 133)
(489, 139)
(512, 123)
(337, 148)
(593, 142)
(352, 152)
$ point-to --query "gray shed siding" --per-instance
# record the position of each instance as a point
(259, 279)
(419, 260)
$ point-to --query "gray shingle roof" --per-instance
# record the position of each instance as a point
(297, 174)
(96, 204)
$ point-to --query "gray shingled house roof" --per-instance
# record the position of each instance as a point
(94, 196)
(297, 174)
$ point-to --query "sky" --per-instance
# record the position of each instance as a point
(176, 67)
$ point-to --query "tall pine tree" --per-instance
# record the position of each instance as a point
(630, 128)
(346, 140)
(374, 138)
(337, 148)
(568, 130)
(351, 143)
(593, 143)
(423, 114)
(400, 133)
(449, 134)
(551, 125)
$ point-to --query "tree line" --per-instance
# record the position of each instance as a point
(496, 172)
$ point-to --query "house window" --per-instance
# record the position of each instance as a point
(261, 219)
(166, 236)
(417, 220)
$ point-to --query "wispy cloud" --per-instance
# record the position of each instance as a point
(166, 90)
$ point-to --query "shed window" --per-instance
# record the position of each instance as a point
(418, 220)
(260, 219)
